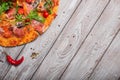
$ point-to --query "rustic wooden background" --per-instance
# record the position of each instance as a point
(82, 43)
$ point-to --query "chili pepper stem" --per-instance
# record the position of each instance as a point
(11, 60)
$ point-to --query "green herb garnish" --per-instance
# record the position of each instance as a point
(19, 17)
(4, 6)
(34, 15)
(50, 11)
(48, 6)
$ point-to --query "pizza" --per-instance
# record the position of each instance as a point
(22, 21)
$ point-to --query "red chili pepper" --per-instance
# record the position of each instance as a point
(12, 61)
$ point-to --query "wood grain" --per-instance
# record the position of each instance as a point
(109, 67)
(81, 44)
(70, 40)
(95, 45)
(43, 44)
(4, 66)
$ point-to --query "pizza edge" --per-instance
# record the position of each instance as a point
(14, 41)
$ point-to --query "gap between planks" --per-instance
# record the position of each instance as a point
(108, 68)
(114, 36)
(104, 53)
(53, 43)
(5, 65)
(84, 39)
(15, 59)
(57, 37)
(103, 9)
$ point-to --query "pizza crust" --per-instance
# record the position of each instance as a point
(50, 18)
(15, 41)
(29, 36)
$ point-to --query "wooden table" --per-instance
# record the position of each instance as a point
(82, 43)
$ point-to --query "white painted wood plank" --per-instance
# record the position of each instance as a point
(96, 43)
(43, 43)
(70, 40)
(109, 67)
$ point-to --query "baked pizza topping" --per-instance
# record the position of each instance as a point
(20, 18)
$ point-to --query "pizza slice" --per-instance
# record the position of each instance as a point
(22, 21)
